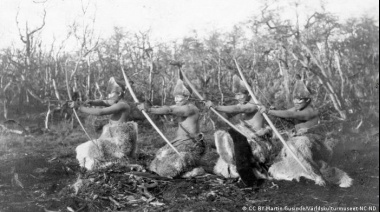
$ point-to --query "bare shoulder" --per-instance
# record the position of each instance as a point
(249, 104)
(123, 104)
(193, 107)
(314, 110)
(311, 109)
(309, 113)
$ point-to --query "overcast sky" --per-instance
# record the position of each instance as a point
(167, 19)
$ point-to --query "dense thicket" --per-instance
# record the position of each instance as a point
(338, 61)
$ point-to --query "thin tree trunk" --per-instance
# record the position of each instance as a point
(69, 96)
(343, 81)
(325, 78)
(163, 95)
(88, 86)
(152, 96)
(285, 74)
(219, 83)
(56, 92)
(101, 96)
(322, 77)
(76, 88)
(47, 117)
(67, 84)
(7, 100)
(46, 82)
(151, 79)
(6, 108)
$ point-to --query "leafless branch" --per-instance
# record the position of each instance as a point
(308, 23)
(18, 26)
(42, 25)
(85, 7)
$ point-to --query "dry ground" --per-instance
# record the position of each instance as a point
(36, 174)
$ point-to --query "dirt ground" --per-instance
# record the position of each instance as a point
(37, 174)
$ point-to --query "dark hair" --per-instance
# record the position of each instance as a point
(244, 92)
(307, 100)
(122, 86)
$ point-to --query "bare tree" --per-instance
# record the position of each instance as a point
(88, 43)
(27, 36)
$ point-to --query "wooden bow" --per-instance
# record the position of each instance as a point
(143, 111)
(267, 118)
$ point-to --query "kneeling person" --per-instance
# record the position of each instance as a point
(189, 141)
(232, 147)
(309, 146)
(119, 137)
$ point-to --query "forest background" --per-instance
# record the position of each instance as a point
(338, 60)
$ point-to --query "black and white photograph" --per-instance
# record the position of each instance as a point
(189, 105)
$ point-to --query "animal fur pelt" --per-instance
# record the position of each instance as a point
(237, 158)
(314, 154)
(168, 163)
(117, 141)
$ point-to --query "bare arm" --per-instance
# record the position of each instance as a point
(303, 115)
(164, 110)
(247, 108)
(183, 111)
(98, 102)
(107, 110)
